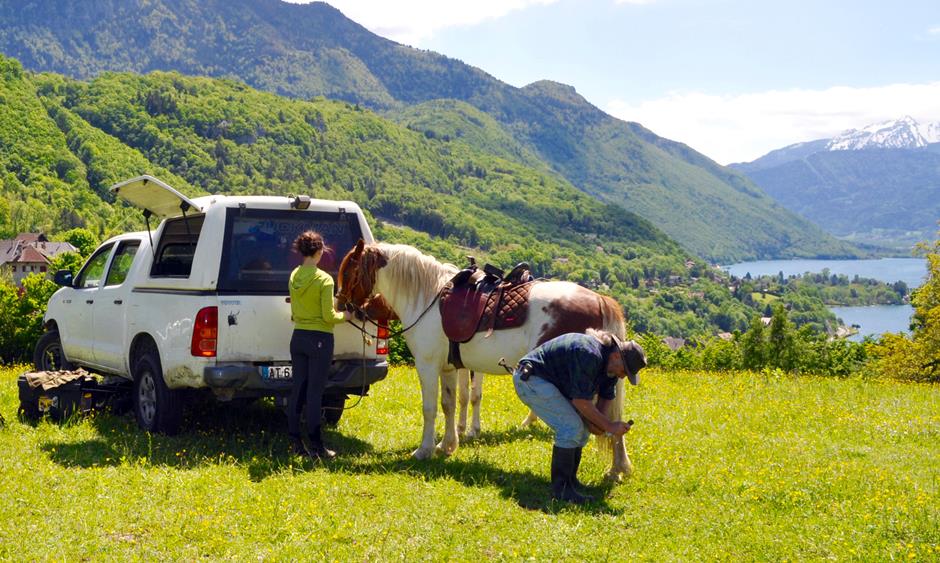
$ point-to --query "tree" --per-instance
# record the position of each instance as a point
(781, 341)
(753, 346)
(70, 261)
(82, 239)
(916, 357)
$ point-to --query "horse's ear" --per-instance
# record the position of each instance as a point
(359, 246)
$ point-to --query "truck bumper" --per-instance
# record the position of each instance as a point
(352, 377)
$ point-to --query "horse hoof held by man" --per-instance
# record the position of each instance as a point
(559, 380)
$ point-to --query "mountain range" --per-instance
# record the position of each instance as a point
(879, 184)
(304, 51)
(63, 142)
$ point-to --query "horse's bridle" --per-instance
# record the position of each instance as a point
(360, 312)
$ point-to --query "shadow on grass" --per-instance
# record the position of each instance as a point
(512, 434)
(529, 490)
(255, 438)
(216, 434)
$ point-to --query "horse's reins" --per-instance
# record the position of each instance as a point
(366, 317)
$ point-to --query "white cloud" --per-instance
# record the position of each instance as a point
(934, 30)
(742, 127)
(413, 21)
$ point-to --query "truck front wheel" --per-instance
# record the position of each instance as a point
(48, 354)
(158, 408)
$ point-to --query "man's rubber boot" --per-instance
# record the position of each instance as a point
(317, 449)
(563, 469)
(578, 485)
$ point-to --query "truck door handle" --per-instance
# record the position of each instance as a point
(89, 301)
(118, 301)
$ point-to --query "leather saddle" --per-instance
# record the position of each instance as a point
(477, 300)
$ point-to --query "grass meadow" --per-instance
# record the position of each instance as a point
(737, 466)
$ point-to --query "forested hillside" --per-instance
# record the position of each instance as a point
(308, 50)
(64, 142)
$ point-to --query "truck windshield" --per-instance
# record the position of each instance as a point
(258, 254)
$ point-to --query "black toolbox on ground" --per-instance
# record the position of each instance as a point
(80, 395)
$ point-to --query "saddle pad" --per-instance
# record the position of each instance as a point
(511, 311)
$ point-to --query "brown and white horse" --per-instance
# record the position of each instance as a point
(410, 283)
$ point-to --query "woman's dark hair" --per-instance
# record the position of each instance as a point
(308, 243)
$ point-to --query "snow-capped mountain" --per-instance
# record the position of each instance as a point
(879, 184)
(904, 133)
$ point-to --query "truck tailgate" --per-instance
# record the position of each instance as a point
(257, 328)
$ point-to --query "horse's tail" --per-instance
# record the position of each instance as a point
(614, 323)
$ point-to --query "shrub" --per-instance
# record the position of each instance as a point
(21, 314)
(398, 352)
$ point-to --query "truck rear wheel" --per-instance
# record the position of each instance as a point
(158, 408)
(333, 409)
(48, 354)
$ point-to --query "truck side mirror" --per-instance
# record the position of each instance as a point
(63, 278)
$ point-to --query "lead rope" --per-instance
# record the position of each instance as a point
(362, 389)
(365, 333)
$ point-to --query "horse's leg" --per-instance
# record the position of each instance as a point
(621, 466)
(464, 376)
(529, 419)
(449, 404)
(476, 398)
(428, 376)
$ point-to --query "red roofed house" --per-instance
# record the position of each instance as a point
(29, 253)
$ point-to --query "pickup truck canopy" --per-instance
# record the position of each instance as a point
(150, 194)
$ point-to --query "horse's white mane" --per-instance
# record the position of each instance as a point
(409, 267)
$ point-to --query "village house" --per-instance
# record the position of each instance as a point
(29, 253)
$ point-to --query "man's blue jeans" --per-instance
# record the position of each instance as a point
(551, 406)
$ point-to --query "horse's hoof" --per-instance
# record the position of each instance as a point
(422, 453)
(446, 450)
(613, 477)
(473, 433)
(528, 421)
(461, 430)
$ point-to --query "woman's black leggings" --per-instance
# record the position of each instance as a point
(311, 353)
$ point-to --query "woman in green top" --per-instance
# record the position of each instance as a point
(311, 345)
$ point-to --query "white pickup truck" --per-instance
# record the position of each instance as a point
(202, 302)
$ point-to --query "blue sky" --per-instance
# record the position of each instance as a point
(731, 78)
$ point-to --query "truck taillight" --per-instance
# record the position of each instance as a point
(381, 339)
(205, 332)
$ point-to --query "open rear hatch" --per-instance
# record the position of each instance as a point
(154, 197)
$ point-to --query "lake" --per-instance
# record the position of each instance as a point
(876, 319)
(873, 320)
(909, 270)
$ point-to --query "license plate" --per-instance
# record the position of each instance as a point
(276, 372)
